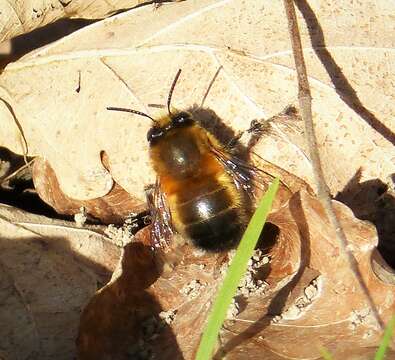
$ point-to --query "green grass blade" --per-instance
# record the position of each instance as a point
(235, 272)
(385, 341)
(326, 354)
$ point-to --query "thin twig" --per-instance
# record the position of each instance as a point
(16, 172)
(304, 97)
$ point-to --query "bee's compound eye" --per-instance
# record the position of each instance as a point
(154, 133)
(181, 118)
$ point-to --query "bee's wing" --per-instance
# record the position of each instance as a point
(245, 176)
(253, 179)
(161, 227)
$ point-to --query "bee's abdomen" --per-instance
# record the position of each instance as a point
(220, 232)
(212, 219)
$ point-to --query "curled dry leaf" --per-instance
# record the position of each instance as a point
(146, 287)
(323, 305)
(49, 271)
(305, 298)
(59, 94)
(112, 208)
(21, 17)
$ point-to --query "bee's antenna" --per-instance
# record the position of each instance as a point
(131, 111)
(172, 89)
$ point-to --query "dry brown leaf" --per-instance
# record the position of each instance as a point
(58, 96)
(310, 299)
(112, 208)
(19, 17)
(49, 271)
(88, 245)
(123, 62)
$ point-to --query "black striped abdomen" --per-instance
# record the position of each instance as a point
(213, 217)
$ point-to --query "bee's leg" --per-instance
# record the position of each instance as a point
(261, 127)
(161, 227)
(150, 198)
(257, 129)
(157, 4)
(264, 127)
(234, 142)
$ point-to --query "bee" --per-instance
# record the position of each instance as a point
(202, 191)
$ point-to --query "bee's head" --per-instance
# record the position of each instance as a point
(181, 119)
(176, 120)
(162, 126)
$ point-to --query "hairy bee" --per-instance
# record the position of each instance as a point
(202, 190)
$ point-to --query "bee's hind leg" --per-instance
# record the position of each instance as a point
(264, 127)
